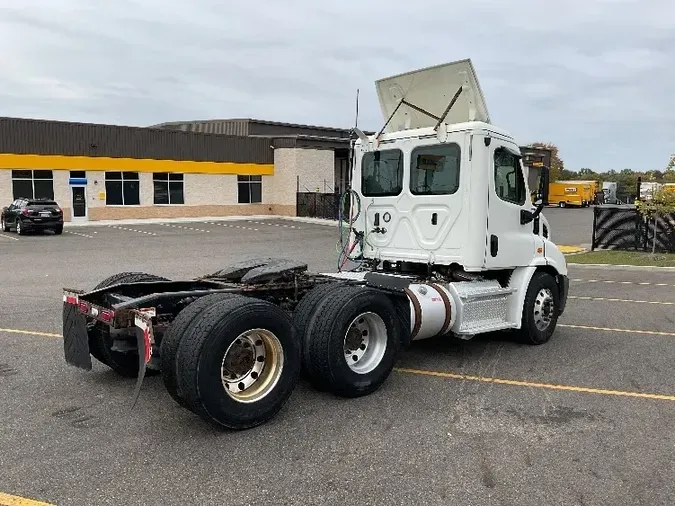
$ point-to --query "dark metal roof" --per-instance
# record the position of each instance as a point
(309, 141)
(44, 137)
(253, 127)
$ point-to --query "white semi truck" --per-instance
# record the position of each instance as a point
(443, 239)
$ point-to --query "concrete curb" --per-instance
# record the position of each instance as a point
(622, 267)
(148, 221)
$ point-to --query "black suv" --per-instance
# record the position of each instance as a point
(25, 215)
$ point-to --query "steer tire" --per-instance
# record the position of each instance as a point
(529, 333)
(329, 364)
(304, 312)
(173, 336)
(208, 340)
(100, 341)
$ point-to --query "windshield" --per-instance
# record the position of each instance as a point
(382, 173)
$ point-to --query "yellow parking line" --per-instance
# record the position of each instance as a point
(608, 299)
(30, 333)
(627, 331)
(550, 386)
(15, 500)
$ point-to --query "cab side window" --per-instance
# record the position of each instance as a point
(509, 181)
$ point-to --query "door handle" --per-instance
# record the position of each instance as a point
(434, 218)
(494, 245)
(377, 219)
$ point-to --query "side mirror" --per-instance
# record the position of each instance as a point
(541, 199)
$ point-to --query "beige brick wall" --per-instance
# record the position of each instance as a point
(61, 187)
(316, 168)
(6, 197)
(205, 189)
(282, 187)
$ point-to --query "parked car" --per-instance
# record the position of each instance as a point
(26, 215)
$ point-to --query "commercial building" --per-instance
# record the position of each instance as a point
(181, 169)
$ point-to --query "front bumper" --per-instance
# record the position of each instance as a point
(564, 285)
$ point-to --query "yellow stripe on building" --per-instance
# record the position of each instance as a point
(104, 163)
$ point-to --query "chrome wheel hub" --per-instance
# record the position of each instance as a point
(252, 365)
(544, 308)
(365, 343)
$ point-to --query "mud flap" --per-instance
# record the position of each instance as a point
(144, 338)
(75, 337)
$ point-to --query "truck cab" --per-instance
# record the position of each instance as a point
(443, 186)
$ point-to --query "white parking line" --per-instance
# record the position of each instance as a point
(80, 234)
(184, 227)
(274, 224)
(9, 237)
(608, 299)
(227, 225)
(611, 281)
(131, 230)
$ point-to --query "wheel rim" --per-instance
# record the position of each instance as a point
(18, 227)
(365, 343)
(543, 309)
(252, 365)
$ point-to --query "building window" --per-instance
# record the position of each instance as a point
(122, 189)
(33, 184)
(434, 170)
(249, 189)
(78, 174)
(169, 188)
(509, 181)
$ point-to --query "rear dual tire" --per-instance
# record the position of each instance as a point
(351, 340)
(237, 362)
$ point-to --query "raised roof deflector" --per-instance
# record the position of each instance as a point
(431, 89)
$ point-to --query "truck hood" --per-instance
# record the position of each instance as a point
(432, 89)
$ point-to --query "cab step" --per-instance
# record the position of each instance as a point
(483, 307)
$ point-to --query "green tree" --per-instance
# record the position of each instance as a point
(661, 204)
(557, 165)
(671, 165)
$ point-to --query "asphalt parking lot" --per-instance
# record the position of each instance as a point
(585, 419)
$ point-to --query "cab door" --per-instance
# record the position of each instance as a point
(509, 243)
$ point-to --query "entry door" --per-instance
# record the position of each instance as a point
(78, 203)
(508, 243)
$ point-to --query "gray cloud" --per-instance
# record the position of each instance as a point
(595, 77)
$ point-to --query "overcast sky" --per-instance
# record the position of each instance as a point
(596, 77)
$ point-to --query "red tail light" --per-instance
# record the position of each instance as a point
(25, 212)
(84, 307)
(107, 316)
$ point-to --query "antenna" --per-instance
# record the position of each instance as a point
(356, 120)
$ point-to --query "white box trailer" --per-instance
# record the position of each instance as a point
(443, 239)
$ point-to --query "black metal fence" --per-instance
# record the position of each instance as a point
(318, 205)
(624, 228)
